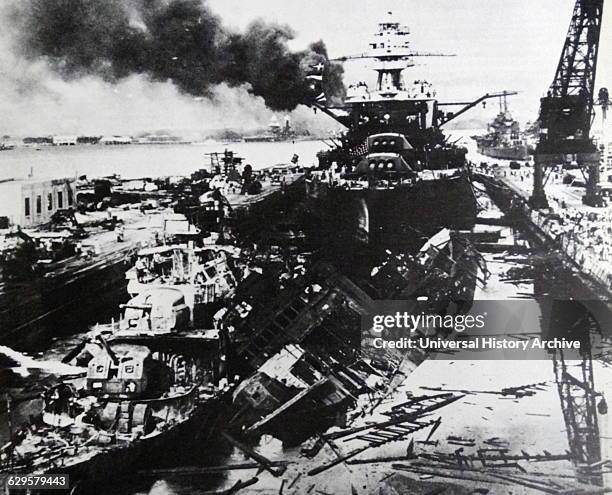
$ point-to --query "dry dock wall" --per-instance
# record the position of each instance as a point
(595, 273)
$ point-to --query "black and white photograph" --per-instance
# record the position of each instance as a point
(285, 247)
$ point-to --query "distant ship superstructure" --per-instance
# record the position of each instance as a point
(276, 132)
(504, 138)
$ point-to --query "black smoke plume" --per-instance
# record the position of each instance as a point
(177, 40)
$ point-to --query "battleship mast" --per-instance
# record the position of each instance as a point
(391, 52)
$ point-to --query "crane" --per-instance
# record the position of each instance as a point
(566, 112)
(566, 115)
(574, 375)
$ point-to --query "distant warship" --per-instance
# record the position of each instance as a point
(275, 133)
(504, 138)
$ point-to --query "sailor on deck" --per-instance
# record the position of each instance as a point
(141, 269)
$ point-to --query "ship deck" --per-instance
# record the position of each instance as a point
(21, 302)
(270, 189)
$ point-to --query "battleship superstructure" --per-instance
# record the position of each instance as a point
(393, 172)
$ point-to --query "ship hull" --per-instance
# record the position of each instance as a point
(505, 153)
(33, 309)
(99, 472)
(392, 218)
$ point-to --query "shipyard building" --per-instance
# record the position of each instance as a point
(32, 202)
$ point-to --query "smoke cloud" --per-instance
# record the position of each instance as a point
(35, 100)
(176, 41)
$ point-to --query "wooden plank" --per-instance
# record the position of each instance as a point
(396, 421)
(191, 470)
(335, 462)
(260, 459)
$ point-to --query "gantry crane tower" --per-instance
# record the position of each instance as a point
(566, 115)
(566, 112)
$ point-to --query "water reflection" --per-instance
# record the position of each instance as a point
(581, 401)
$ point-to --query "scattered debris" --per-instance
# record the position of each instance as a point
(191, 470)
(263, 461)
(294, 481)
(335, 462)
(517, 392)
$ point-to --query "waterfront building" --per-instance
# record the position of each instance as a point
(32, 202)
(64, 140)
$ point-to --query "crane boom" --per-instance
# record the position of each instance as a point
(577, 65)
(568, 107)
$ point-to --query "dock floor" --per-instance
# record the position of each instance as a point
(582, 232)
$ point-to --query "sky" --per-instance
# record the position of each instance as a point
(499, 45)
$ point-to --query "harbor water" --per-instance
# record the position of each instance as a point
(137, 161)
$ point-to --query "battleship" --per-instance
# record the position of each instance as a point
(248, 316)
(504, 138)
(274, 133)
(393, 174)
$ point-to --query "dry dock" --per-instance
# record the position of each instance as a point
(578, 232)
